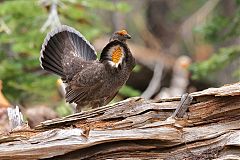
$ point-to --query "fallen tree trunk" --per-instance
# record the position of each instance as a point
(138, 129)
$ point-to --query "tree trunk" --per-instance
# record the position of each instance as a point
(138, 129)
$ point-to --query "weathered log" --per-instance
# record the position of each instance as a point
(138, 129)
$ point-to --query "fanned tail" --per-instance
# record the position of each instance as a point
(63, 42)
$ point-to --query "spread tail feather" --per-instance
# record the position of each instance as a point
(60, 43)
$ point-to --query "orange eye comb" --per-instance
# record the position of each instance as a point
(122, 32)
(116, 55)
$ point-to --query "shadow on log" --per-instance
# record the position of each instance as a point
(138, 129)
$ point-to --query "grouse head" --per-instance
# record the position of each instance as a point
(116, 52)
(120, 35)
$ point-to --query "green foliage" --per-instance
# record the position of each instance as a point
(129, 91)
(137, 68)
(23, 79)
(185, 9)
(212, 31)
(63, 109)
(106, 4)
(219, 30)
(215, 63)
(20, 84)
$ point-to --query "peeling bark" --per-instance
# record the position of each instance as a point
(138, 129)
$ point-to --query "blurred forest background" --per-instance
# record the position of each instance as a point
(180, 46)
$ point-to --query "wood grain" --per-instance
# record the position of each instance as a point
(138, 129)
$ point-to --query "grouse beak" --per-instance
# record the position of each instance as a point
(127, 36)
